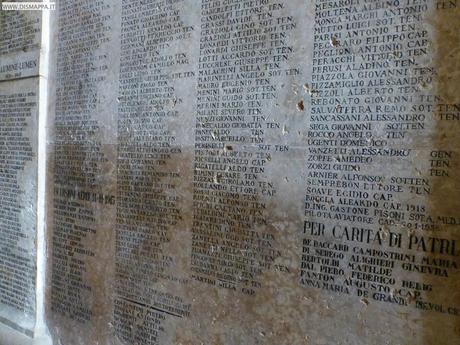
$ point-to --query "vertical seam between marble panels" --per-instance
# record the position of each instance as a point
(40, 324)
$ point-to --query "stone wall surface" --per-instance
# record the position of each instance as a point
(19, 44)
(253, 172)
(20, 40)
(18, 175)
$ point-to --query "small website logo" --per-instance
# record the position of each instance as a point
(28, 6)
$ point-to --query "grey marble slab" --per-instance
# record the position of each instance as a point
(254, 172)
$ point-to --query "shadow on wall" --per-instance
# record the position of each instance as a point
(444, 153)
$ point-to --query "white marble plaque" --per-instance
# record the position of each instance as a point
(20, 40)
(18, 200)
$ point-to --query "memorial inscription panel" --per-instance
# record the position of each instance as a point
(18, 181)
(20, 40)
(254, 172)
(19, 44)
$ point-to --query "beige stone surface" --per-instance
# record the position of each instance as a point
(254, 172)
(18, 206)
